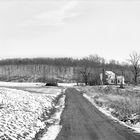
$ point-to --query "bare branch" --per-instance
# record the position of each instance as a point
(134, 60)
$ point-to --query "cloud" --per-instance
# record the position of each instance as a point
(55, 17)
(70, 5)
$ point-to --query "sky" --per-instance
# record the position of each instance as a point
(69, 28)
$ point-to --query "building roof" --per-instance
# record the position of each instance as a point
(109, 73)
(120, 77)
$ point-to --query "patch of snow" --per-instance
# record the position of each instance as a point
(43, 90)
(104, 110)
(54, 129)
(18, 84)
(67, 84)
(40, 124)
(52, 132)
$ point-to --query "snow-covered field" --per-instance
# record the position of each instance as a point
(67, 84)
(16, 84)
(21, 110)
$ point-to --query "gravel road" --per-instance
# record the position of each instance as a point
(82, 121)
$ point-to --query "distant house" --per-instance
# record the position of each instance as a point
(112, 78)
(120, 79)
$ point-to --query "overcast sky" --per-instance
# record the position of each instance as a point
(76, 28)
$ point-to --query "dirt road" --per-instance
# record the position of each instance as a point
(82, 121)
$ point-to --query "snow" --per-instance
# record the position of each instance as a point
(17, 84)
(67, 84)
(136, 127)
(20, 111)
(54, 130)
(44, 90)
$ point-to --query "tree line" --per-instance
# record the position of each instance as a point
(86, 69)
(92, 61)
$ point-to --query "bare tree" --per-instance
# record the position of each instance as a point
(104, 78)
(85, 73)
(134, 60)
(121, 85)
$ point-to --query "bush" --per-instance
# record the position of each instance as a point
(51, 84)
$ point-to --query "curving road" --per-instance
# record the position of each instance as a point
(82, 121)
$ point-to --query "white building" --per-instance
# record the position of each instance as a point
(120, 79)
(112, 78)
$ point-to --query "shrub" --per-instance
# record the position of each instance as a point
(51, 84)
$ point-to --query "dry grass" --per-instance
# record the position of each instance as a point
(124, 103)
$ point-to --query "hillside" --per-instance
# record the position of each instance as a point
(59, 69)
(35, 73)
